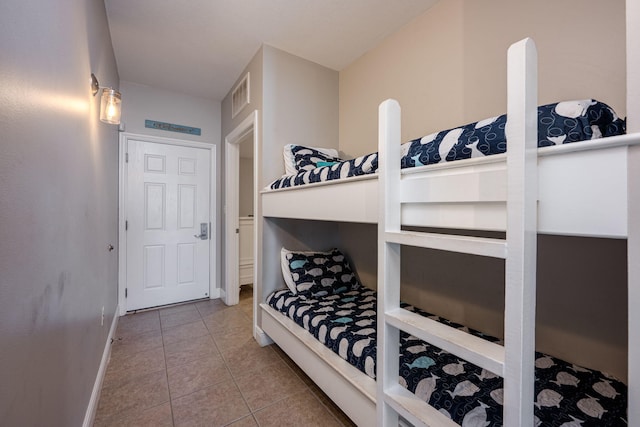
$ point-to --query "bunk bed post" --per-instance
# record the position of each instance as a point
(520, 264)
(633, 211)
(388, 255)
(633, 283)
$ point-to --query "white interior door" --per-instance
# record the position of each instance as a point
(167, 210)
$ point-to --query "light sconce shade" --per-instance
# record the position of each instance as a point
(110, 102)
(110, 106)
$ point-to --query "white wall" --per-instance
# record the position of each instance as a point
(58, 209)
(141, 102)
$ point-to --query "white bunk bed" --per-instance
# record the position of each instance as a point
(589, 204)
(598, 206)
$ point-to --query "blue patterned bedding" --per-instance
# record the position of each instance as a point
(566, 395)
(558, 123)
(336, 170)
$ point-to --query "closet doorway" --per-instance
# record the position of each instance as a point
(241, 233)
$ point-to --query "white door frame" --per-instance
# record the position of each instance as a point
(230, 294)
(214, 291)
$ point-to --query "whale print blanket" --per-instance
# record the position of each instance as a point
(566, 394)
(558, 123)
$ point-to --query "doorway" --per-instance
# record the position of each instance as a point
(245, 211)
(167, 215)
(240, 200)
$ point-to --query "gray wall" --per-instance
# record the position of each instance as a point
(58, 209)
(297, 101)
(300, 107)
(228, 124)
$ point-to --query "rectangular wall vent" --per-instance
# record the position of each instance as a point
(240, 96)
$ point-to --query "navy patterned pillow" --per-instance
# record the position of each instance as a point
(560, 123)
(317, 274)
(307, 158)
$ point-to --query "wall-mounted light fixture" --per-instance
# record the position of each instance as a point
(110, 102)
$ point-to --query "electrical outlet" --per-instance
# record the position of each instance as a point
(102, 317)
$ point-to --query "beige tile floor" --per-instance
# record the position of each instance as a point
(198, 365)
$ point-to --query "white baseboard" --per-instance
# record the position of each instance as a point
(215, 293)
(90, 415)
(262, 338)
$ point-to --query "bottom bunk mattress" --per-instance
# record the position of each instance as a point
(566, 394)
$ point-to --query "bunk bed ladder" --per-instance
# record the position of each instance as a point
(515, 360)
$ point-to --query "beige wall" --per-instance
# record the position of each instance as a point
(420, 66)
(448, 68)
(581, 51)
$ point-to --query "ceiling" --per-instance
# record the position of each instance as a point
(200, 47)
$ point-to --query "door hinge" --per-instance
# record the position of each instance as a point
(126, 157)
(126, 225)
(126, 292)
(237, 231)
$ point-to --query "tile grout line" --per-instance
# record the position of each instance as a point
(233, 377)
(224, 360)
(327, 408)
(312, 392)
(166, 372)
(132, 412)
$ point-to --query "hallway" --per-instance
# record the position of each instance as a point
(198, 364)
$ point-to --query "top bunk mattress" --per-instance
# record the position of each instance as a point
(582, 187)
(558, 124)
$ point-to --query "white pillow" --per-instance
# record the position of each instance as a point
(290, 161)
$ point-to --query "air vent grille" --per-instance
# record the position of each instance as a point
(240, 96)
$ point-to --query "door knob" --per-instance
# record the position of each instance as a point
(204, 231)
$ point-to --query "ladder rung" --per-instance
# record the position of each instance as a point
(416, 411)
(478, 351)
(496, 248)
